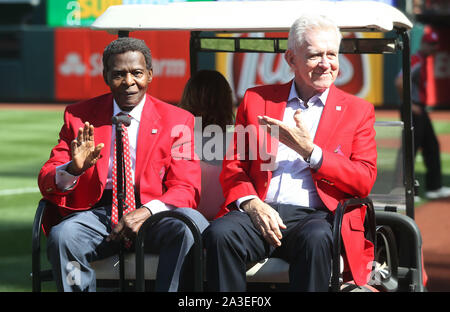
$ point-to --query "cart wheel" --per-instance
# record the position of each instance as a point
(384, 275)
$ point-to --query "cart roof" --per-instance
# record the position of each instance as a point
(248, 16)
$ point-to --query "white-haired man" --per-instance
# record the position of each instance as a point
(326, 152)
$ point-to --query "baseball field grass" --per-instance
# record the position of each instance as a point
(26, 138)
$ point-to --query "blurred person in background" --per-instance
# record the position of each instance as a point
(424, 136)
(208, 96)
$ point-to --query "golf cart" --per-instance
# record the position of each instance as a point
(216, 27)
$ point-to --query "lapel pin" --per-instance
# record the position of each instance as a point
(338, 108)
(338, 148)
(154, 131)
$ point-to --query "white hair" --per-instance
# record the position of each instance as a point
(305, 23)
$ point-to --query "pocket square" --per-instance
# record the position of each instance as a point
(338, 150)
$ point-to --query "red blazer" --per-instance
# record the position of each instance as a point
(347, 138)
(159, 175)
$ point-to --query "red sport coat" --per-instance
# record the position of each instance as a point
(164, 130)
(347, 137)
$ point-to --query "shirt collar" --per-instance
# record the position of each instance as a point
(322, 97)
(135, 112)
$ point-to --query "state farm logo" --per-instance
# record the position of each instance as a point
(246, 70)
(169, 67)
(73, 65)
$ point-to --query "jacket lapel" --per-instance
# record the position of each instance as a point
(275, 106)
(332, 114)
(102, 114)
(149, 131)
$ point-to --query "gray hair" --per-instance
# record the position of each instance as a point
(125, 44)
(305, 23)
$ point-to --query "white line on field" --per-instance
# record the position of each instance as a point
(16, 191)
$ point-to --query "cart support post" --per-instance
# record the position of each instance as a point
(193, 51)
(408, 136)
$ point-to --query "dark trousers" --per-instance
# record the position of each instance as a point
(232, 241)
(426, 140)
(81, 238)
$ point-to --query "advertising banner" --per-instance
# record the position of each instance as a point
(359, 74)
(75, 13)
(78, 63)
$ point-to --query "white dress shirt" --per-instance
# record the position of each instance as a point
(292, 181)
(65, 181)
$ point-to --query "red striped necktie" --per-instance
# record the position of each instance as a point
(127, 181)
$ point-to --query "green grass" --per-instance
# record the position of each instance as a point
(441, 126)
(420, 172)
(385, 155)
(26, 138)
